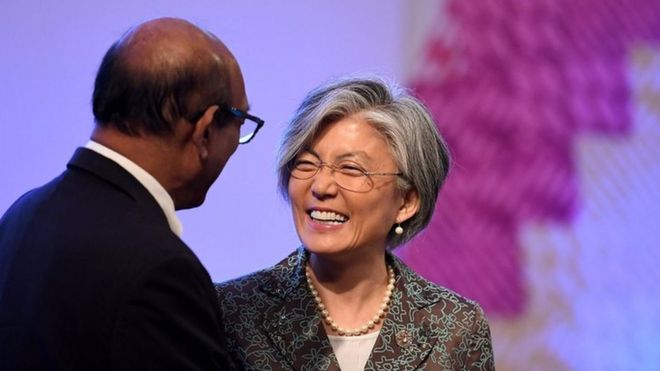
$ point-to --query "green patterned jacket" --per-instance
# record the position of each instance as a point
(271, 322)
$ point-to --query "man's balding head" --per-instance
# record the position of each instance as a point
(162, 98)
(158, 73)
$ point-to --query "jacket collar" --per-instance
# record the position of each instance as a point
(109, 171)
(157, 191)
(296, 329)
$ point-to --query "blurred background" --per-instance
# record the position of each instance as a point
(551, 109)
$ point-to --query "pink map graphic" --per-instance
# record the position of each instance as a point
(512, 84)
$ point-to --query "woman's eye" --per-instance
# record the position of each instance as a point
(305, 165)
(352, 170)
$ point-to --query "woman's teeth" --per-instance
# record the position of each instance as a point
(328, 217)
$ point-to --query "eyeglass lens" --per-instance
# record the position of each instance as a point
(248, 129)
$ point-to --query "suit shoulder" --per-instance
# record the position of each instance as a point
(241, 284)
(275, 277)
(427, 293)
(265, 288)
(451, 296)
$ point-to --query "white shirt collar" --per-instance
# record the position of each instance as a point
(149, 182)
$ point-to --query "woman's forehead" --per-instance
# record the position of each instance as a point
(350, 137)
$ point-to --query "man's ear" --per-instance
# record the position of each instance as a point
(200, 135)
(409, 207)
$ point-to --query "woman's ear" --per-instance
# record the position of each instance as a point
(200, 135)
(409, 207)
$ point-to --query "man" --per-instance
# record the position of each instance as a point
(93, 275)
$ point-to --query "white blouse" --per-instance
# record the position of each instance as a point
(352, 352)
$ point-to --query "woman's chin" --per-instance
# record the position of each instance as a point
(324, 249)
(328, 246)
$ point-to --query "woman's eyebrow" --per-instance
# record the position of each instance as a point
(348, 155)
(358, 154)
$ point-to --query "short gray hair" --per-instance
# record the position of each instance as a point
(418, 149)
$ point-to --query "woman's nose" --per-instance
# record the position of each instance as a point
(323, 183)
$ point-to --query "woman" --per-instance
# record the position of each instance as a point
(361, 164)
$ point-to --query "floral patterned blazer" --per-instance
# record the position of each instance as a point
(271, 321)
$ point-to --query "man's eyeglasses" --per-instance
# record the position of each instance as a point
(347, 176)
(250, 125)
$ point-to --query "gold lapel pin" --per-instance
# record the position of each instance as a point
(403, 338)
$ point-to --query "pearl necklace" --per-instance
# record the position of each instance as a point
(382, 310)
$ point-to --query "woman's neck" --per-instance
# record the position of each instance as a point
(345, 272)
(351, 288)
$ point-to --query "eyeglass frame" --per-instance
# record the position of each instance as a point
(334, 168)
(239, 113)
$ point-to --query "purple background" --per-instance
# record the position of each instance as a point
(552, 110)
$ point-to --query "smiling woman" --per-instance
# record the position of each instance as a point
(361, 164)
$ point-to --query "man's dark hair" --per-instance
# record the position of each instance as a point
(149, 95)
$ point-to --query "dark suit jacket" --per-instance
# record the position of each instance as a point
(92, 278)
(272, 324)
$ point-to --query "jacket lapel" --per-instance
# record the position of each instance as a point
(293, 325)
(406, 339)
